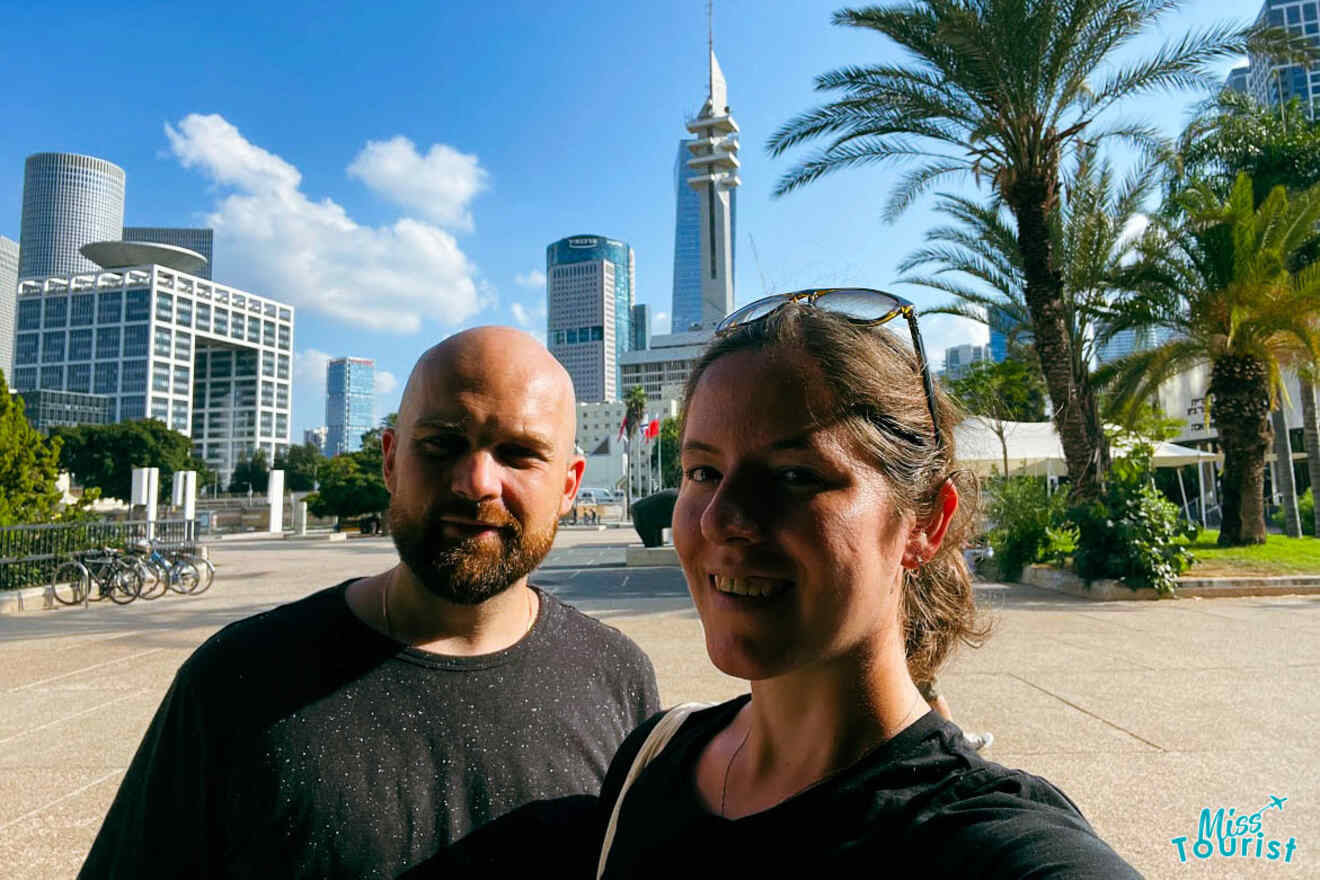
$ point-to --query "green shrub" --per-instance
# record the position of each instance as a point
(1133, 533)
(1028, 524)
(1305, 508)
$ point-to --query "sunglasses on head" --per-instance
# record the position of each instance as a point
(860, 305)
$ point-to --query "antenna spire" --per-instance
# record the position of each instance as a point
(710, 47)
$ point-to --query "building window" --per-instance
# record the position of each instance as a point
(282, 368)
(245, 363)
(163, 338)
(237, 326)
(137, 305)
(281, 425)
(179, 421)
(221, 326)
(25, 379)
(182, 346)
(52, 378)
(284, 335)
(109, 307)
(160, 408)
(84, 307)
(133, 408)
(282, 396)
(57, 311)
(80, 378)
(107, 342)
(80, 345)
(184, 316)
(160, 376)
(164, 307)
(268, 365)
(107, 378)
(267, 393)
(25, 348)
(203, 316)
(29, 314)
(135, 340)
(52, 347)
(182, 381)
(253, 330)
(135, 376)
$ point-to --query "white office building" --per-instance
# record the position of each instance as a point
(590, 282)
(959, 358)
(663, 369)
(713, 173)
(8, 299)
(210, 361)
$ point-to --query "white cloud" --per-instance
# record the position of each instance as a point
(520, 315)
(437, 186)
(386, 382)
(278, 242)
(530, 278)
(309, 370)
(660, 323)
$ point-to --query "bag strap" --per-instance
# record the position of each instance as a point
(655, 743)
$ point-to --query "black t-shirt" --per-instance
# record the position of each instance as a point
(923, 801)
(302, 743)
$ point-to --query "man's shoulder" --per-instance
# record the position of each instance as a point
(283, 630)
(575, 630)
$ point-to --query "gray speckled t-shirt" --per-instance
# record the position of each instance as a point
(301, 742)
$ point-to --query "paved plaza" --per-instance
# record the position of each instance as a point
(1143, 712)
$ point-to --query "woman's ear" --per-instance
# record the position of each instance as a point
(926, 537)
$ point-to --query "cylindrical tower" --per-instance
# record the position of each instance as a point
(68, 201)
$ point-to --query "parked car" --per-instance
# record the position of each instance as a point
(595, 496)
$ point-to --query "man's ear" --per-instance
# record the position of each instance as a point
(572, 481)
(389, 444)
(926, 537)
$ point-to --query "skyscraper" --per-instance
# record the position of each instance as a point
(350, 403)
(194, 239)
(641, 327)
(1271, 83)
(590, 283)
(68, 201)
(8, 303)
(713, 175)
(685, 309)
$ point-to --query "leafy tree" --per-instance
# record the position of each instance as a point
(104, 456)
(301, 465)
(999, 90)
(29, 466)
(1009, 391)
(251, 474)
(1214, 272)
(349, 487)
(666, 451)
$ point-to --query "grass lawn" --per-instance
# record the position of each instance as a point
(1278, 555)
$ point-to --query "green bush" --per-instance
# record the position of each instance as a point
(1029, 524)
(1305, 508)
(1133, 533)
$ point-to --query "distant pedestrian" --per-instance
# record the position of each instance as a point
(364, 729)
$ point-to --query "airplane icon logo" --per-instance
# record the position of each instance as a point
(1276, 801)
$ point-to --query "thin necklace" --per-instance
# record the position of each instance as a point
(724, 791)
(531, 621)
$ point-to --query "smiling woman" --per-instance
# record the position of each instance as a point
(819, 527)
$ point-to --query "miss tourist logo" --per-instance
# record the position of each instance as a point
(1227, 834)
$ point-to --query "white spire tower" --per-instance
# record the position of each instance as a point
(714, 175)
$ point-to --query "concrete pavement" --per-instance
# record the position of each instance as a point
(1143, 712)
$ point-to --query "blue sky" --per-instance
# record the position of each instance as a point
(396, 170)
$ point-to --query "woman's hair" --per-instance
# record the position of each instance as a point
(878, 398)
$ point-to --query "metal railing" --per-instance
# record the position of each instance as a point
(29, 554)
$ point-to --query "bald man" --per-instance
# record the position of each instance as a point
(371, 726)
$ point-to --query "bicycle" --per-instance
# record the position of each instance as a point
(176, 571)
(116, 579)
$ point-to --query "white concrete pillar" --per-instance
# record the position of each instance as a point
(275, 498)
(300, 518)
(146, 487)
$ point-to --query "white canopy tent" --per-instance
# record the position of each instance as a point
(1034, 449)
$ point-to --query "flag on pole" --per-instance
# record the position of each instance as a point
(623, 426)
(653, 429)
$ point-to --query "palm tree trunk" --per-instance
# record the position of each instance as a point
(1076, 415)
(1283, 473)
(1240, 400)
(1311, 440)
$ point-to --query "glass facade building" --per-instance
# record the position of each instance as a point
(8, 301)
(350, 403)
(590, 283)
(685, 308)
(200, 240)
(210, 361)
(641, 327)
(49, 409)
(1271, 83)
(68, 201)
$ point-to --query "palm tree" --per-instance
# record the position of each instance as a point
(1215, 273)
(634, 411)
(999, 89)
(1277, 146)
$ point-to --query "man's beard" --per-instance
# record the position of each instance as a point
(468, 571)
